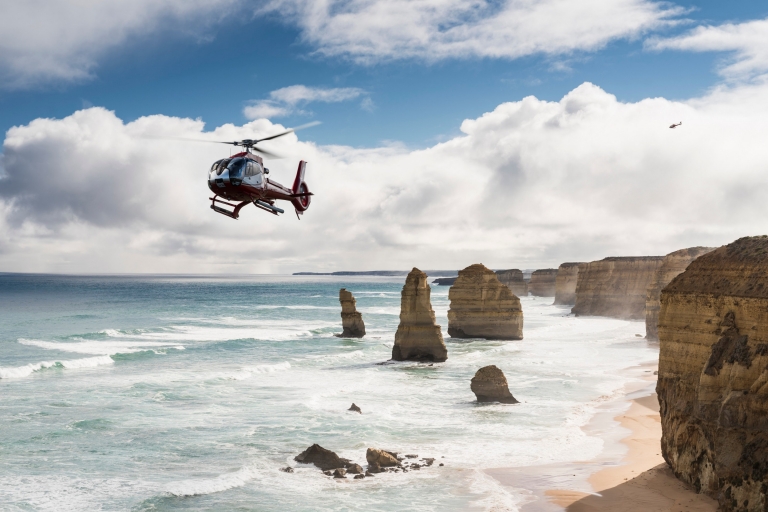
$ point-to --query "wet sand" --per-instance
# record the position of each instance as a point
(637, 480)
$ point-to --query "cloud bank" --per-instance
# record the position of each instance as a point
(530, 184)
(368, 31)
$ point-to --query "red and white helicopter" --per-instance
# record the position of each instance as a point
(243, 177)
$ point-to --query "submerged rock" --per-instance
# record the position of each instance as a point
(673, 265)
(322, 458)
(514, 280)
(355, 408)
(490, 385)
(351, 319)
(713, 379)
(543, 282)
(355, 469)
(615, 287)
(287, 469)
(340, 473)
(565, 283)
(380, 458)
(482, 307)
(418, 336)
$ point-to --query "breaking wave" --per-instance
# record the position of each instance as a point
(27, 370)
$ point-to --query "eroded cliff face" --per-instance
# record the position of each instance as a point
(513, 279)
(543, 282)
(565, 283)
(418, 336)
(713, 374)
(482, 307)
(673, 265)
(351, 318)
(615, 287)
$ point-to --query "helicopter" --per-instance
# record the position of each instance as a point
(242, 178)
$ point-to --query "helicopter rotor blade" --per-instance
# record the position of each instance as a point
(267, 153)
(289, 130)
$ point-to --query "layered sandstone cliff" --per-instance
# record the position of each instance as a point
(615, 287)
(673, 265)
(565, 283)
(713, 374)
(351, 318)
(514, 280)
(543, 282)
(482, 307)
(418, 336)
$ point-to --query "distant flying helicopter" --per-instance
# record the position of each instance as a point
(675, 125)
(242, 177)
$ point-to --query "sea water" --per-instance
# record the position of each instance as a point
(158, 393)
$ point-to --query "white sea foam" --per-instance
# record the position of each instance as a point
(27, 370)
(197, 487)
(106, 348)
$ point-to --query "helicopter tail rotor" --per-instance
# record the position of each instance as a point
(301, 196)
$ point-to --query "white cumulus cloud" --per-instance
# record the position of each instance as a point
(531, 184)
(372, 30)
(288, 100)
(747, 41)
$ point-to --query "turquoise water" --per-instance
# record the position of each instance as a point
(174, 393)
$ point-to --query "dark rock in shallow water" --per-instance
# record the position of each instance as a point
(340, 473)
(322, 458)
(355, 408)
(355, 469)
(368, 473)
(288, 469)
(411, 456)
(380, 457)
(490, 385)
(359, 477)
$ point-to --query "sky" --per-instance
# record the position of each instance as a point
(518, 133)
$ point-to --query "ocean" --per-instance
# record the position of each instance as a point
(164, 393)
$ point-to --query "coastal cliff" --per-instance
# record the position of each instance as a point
(565, 283)
(543, 282)
(351, 318)
(418, 336)
(482, 307)
(514, 280)
(713, 383)
(615, 287)
(673, 265)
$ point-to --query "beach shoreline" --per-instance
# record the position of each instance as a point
(630, 474)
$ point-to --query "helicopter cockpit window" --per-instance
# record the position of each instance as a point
(237, 168)
(220, 165)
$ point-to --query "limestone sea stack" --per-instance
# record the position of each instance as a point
(490, 385)
(418, 336)
(673, 265)
(482, 307)
(514, 280)
(713, 383)
(543, 282)
(351, 319)
(615, 287)
(565, 283)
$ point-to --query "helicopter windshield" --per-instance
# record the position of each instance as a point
(236, 168)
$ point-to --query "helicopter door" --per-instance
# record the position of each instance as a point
(254, 175)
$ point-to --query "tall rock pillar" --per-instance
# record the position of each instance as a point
(351, 319)
(418, 336)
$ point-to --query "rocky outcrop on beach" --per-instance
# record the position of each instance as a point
(673, 265)
(351, 318)
(543, 282)
(513, 279)
(713, 374)
(565, 283)
(615, 287)
(482, 307)
(418, 336)
(490, 385)
(322, 458)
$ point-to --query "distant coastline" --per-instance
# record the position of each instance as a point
(386, 273)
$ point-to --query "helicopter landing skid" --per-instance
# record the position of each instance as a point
(234, 214)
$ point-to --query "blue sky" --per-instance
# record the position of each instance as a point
(515, 133)
(214, 71)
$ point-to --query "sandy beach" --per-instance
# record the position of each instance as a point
(635, 479)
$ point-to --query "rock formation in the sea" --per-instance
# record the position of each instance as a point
(513, 279)
(418, 336)
(543, 282)
(351, 319)
(482, 307)
(615, 287)
(713, 374)
(381, 458)
(674, 264)
(490, 385)
(322, 458)
(355, 408)
(565, 283)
